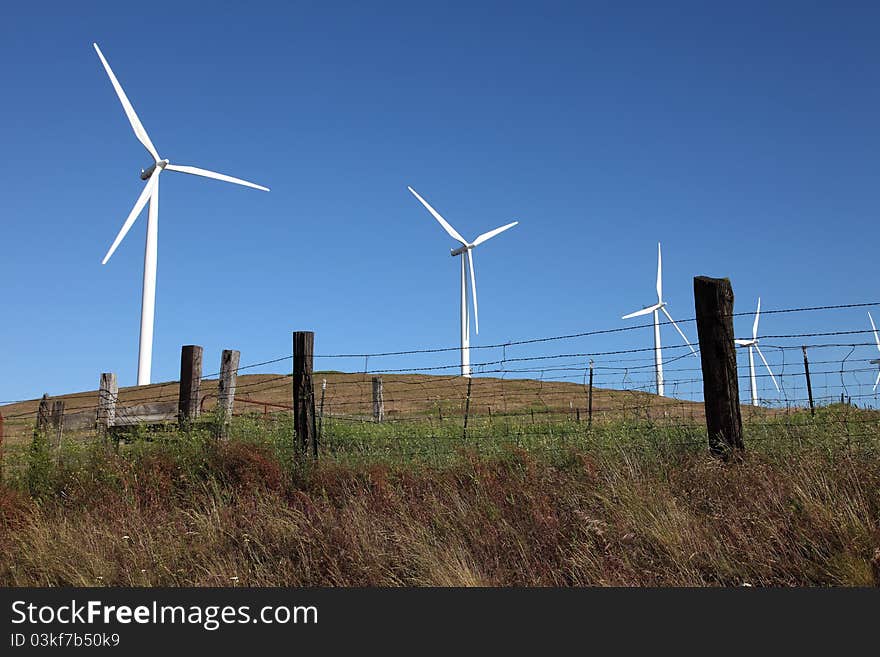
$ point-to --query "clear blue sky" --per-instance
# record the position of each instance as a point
(742, 135)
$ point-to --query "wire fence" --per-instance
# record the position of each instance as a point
(544, 392)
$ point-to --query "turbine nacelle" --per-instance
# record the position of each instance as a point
(146, 173)
(461, 249)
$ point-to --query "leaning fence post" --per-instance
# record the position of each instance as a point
(108, 393)
(226, 388)
(713, 302)
(190, 384)
(809, 383)
(378, 400)
(303, 394)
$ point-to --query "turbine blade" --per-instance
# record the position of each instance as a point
(492, 233)
(643, 311)
(876, 382)
(133, 215)
(757, 317)
(680, 332)
(138, 127)
(449, 229)
(769, 371)
(876, 337)
(659, 275)
(195, 171)
(470, 257)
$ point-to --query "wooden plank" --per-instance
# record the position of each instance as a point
(151, 413)
(81, 420)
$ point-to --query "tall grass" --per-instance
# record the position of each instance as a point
(419, 504)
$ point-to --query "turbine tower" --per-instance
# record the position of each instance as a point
(655, 310)
(150, 193)
(753, 345)
(875, 361)
(466, 253)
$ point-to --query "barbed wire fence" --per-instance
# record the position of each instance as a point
(538, 393)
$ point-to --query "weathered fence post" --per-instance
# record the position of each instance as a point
(57, 421)
(190, 384)
(226, 389)
(713, 302)
(378, 400)
(1, 446)
(809, 383)
(303, 392)
(108, 393)
(44, 414)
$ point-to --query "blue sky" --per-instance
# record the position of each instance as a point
(744, 136)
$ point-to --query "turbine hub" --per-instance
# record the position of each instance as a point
(146, 173)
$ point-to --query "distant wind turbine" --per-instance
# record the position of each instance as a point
(876, 361)
(151, 193)
(655, 309)
(466, 251)
(753, 344)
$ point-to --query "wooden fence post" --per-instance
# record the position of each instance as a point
(378, 400)
(44, 414)
(1, 446)
(303, 393)
(190, 384)
(226, 388)
(809, 383)
(108, 393)
(713, 302)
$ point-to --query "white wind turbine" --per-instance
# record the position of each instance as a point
(876, 361)
(753, 344)
(655, 309)
(465, 250)
(150, 193)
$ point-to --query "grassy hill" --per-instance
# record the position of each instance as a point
(349, 395)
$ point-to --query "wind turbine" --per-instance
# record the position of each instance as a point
(876, 361)
(465, 250)
(150, 193)
(655, 309)
(753, 344)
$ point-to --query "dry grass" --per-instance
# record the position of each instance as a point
(206, 514)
